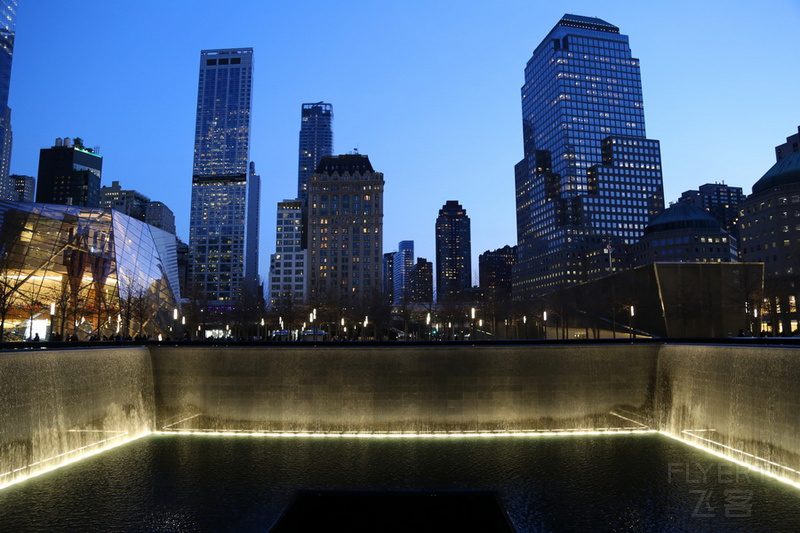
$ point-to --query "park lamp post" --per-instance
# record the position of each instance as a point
(544, 319)
(428, 326)
(472, 324)
(631, 324)
(52, 318)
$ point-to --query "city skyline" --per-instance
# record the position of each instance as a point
(434, 109)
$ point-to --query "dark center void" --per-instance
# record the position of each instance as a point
(393, 511)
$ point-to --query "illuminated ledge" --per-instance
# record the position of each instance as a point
(739, 462)
(408, 434)
(71, 456)
(83, 452)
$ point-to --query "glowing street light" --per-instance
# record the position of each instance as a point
(428, 325)
(545, 324)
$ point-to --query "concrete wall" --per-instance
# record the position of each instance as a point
(58, 405)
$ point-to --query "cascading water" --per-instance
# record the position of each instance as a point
(403, 388)
(739, 401)
(58, 406)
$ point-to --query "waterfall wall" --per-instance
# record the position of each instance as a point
(741, 401)
(397, 387)
(57, 406)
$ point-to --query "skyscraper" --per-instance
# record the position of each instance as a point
(720, 200)
(345, 234)
(287, 269)
(388, 277)
(402, 264)
(316, 141)
(158, 214)
(420, 281)
(24, 187)
(453, 252)
(69, 174)
(589, 178)
(127, 201)
(8, 23)
(223, 229)
(495, 270)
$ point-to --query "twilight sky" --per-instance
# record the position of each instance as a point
(429, 90)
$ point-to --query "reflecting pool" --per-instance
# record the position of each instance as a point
(635, 482)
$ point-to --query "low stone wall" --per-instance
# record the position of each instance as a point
(59, 405)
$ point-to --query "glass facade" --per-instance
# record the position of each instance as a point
(316, 141)
(402, 264)
(224, 100)
(90, 273)
(453, 252)
(8, 23)
(589, 176)
(223, 228)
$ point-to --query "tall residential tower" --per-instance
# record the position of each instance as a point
(345, 234)
(223, 229)
(453, 252)
(590, 177)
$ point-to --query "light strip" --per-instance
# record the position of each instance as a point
(739, 462)
(629, 420)
(407, 434)
(66, 462)
(757, 458)
(181, 421)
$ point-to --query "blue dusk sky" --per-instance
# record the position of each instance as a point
(429, 90)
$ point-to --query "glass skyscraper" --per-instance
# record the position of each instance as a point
(223, 231)
(8, 23)
(590, 178)
(401, 275)
(316, 141)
